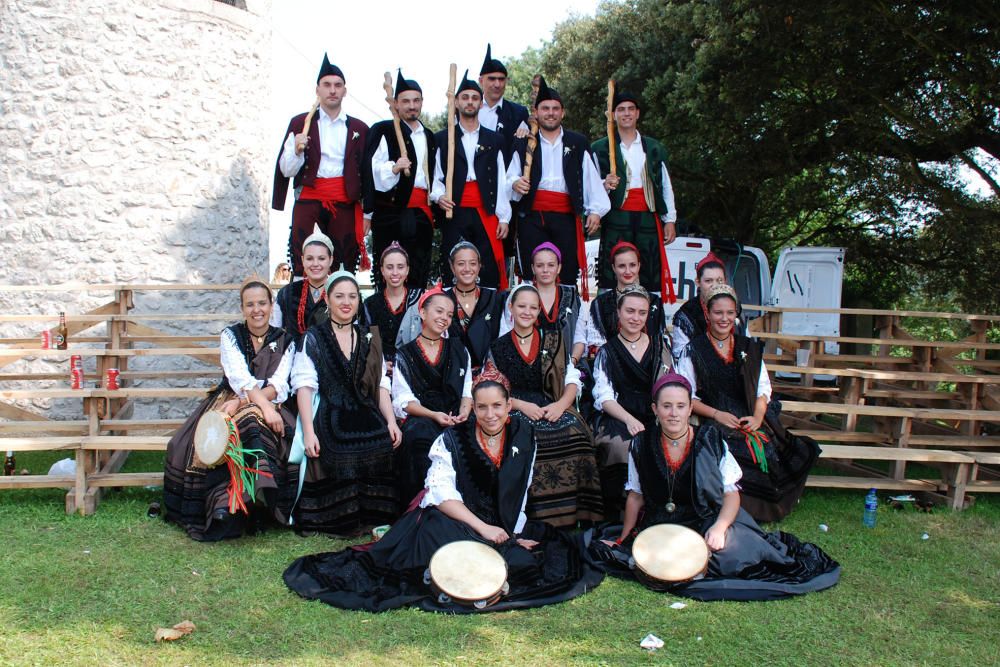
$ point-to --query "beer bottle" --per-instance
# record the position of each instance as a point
(62, 333)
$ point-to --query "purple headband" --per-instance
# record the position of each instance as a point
(671, 378)
(551, 247)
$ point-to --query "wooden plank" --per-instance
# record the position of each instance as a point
(207, 352)
(890, 411)
(140, 424)
(982, 486)
(954, 441)
(126, 479)
(128, 392)
(15, 413)
(45, 426)
(793, 341)
(985, 458)
(39, 444)
(883, 483)
(843, 436)
(887, 375)
(36, 481)
(125, 442)
(897, 394)
(893, 454)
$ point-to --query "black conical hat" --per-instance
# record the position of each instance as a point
(329, 68)
(545, 93)
(468, 84)
(491, 65)
(403, 85)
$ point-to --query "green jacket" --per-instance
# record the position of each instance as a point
(652, 181)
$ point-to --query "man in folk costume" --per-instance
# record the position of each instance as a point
(642, 200)
(563, 198)
(480, 200)
(325, 166)
(504, 117)
(401, 200)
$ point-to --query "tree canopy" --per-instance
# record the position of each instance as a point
(869, 125)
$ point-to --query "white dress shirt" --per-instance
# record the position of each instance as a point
(731, 473)
(635, 163)
(579, 331)
(332, 144)
(234, 365)
(683, 366)
(382, 174)
(470, 144)
(304, 370)
(441, 486)
(595, 197)
(402, 394)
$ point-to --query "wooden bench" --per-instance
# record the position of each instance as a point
(984, 485)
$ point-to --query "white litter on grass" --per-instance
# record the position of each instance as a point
(651, 642)
(699, 639)
(824, 528)
(678, 605)
(925, 536)
(86, 551)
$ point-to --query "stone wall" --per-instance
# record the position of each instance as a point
(132, 151)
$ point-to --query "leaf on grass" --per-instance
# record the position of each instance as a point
(174, 633)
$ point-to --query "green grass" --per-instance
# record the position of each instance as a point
(92, 590)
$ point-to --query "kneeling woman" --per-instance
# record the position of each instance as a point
(731, 387)
(566, 489)
(477, 487)
(215, 503)
(679, 474)
(625, 370)
(431, 389)
(346, 423)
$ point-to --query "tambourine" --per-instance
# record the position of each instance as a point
(468, 573)
(668, 554)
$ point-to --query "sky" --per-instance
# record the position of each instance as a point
(367, 39)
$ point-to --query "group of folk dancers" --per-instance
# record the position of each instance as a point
(462, 413)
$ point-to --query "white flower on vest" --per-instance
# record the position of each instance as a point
(355, 135)
(514, 451)
(567, 150)
(273, 346)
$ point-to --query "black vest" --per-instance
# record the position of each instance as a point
(398, 196)
(509, 118)
(578, 146)
(484, 163)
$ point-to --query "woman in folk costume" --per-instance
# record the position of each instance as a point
(431, 389)
(602, 323)
(691, 319)
(684, 475)
(251, 486)
(625, 370)
(386, 309)
(478, 310)
(302, 303)
(477, 488)
(560, 304)
(346, 426)
(730, 386)
(544, 385)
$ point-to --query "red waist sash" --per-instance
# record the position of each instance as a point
(472, 198)
(418, 199)
(635, 200)
(330, 192)
(547, 201)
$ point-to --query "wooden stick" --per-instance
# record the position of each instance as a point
(309, 118)
(390, 99)
(529, 153)
(611, 127)
(449, 179)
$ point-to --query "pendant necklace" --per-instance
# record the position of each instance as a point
(631, 343)
(672, 473)
(261, 337)
(720, 343)
(467, 307)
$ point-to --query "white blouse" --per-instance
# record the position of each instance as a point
(234, 365)
(441, 486)
(730, 469)
(304, 370)
(579, 332)
(402, 394)
(685, 367)
(604, 388)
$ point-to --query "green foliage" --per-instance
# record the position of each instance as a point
(853, 124)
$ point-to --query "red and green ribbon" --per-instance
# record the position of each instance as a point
(755, 443)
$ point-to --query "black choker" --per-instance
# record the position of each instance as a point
(339, 325)
(523, 337)
(462, 291)
(433, 340)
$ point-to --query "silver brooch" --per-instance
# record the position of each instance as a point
(743, 356)
(489, 316)
(273, 346)
(514, 451)
(567, 150)
(355, 135)
(368, 336)
(461, 372)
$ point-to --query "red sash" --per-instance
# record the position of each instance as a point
(472, 198)
(418, 199)
(330, 192)
(547, 201)
(635, 200)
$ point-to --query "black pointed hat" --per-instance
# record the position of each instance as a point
(403, 85)
(491, 65)
(545, 93)
(625, 96)
(329, 68)
(468, 84)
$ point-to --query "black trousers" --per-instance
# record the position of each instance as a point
(339, 227)
(537, 227)
(411, 228)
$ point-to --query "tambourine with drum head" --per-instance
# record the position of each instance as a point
(468, 573)
(211, 438)
(667, 554)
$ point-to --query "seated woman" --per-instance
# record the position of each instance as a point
(209, 502)
(678, 474)
(625, 370)
(544, 386)
(691, 319)
(386, 309)
(561, 305)
(478, 310)
(431, 389)
(302, 303)
(477, 487)
(603, 321)
(345, 422)
(730, 384)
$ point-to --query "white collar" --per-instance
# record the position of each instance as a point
(341, 117)
(638, 140)
(552, 143)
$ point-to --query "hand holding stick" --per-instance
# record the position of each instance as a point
(390, 99)
(305, 129)
(449, 178)
(529, 153)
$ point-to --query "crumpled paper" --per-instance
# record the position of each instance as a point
(174, 633)
(651, 642)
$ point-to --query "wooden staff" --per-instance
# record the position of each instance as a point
(309, 118)
(612, 149)
(449, 179)
(529, 153)
(391, 101)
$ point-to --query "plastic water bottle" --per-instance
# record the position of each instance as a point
(871, 505)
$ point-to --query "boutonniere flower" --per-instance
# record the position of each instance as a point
(545, 353)
(368, 336)
(499, 126)
(567, 150)
(653, 309)
(514, 451)
(461, 372)
(355, 135)
(273, 346)
(743, 356)
(489, 316)
(568, 310)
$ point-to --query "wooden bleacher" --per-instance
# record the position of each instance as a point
(891, 402)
